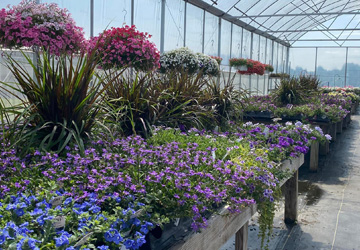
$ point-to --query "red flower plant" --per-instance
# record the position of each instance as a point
(125, 46)
(257, 68)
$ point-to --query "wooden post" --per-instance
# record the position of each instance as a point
(345, 124)
(291, 199)
(348, 118)
(324, 148)
(339, 127)
(333, 131)
(241, 237)
(314, 157)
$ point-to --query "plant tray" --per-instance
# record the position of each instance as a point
(265, 114)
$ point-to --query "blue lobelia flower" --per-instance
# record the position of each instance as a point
(62, 240)
(68, 201)
(113, 235)
(103, 247)
(95, 209)
(19, 212)
(2, 239)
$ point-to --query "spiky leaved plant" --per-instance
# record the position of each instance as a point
(59, 97)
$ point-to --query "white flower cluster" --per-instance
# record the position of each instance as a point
(183, 59)
(208, 65)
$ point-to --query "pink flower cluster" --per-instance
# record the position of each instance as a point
(125, 46)
(43, 25)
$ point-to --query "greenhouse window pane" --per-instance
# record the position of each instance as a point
(255, 47)
(275, 57)
(302, 61)
(174, 24)
(262, 50)
(4, 4)
(194, 28)
(331, 66)
(147, 15)
(246, 44)
(353, 67)
(80, 12)
(269, 59)
(280, 63)
(211, 34)
(236, 50)
(111, 13)
(225, 42)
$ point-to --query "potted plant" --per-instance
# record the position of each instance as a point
(125, 47)
(257, 68)
(217, 58)
(268, 68)
(40, 26)
(241, 64)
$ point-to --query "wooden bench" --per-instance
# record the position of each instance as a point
(223, 226)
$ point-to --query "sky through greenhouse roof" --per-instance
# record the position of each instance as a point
(299, 22)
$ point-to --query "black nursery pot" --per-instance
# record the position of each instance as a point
(161, 239)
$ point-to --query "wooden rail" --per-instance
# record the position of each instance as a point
(223, 226)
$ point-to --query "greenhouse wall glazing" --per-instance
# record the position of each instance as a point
(178, 23)
(175, 24)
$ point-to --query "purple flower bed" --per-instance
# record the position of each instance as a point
(328, 107)
(173, 174)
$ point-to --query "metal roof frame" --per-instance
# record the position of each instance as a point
(289, 21)
(222, 14)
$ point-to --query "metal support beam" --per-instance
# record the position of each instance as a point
(346, 64)
(219, 38)
(203, 34)
(328, 47)
(231, 38)
(324, 40)
(312, 30)
(217, 12)
(185, 11)
(316, 56)
(251, 56)
(287, 60)
(300, 14)
(132, 12)
(162, 26)
(91, 18)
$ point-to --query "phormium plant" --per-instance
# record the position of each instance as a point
(59, 98)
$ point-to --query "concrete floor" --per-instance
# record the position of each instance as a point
(329, 203)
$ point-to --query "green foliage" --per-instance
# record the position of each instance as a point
(237, 62)
(289, 91)
(227, 101)
(59, 99)
(135, 103)
(280, 75)
(310, 84)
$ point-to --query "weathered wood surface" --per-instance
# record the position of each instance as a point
(339, 127)
(332, 131)
(291, 199)
(325, 147)
(314, 157)
(222, 227)
(241, 237)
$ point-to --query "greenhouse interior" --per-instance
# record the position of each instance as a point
(179, 124)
